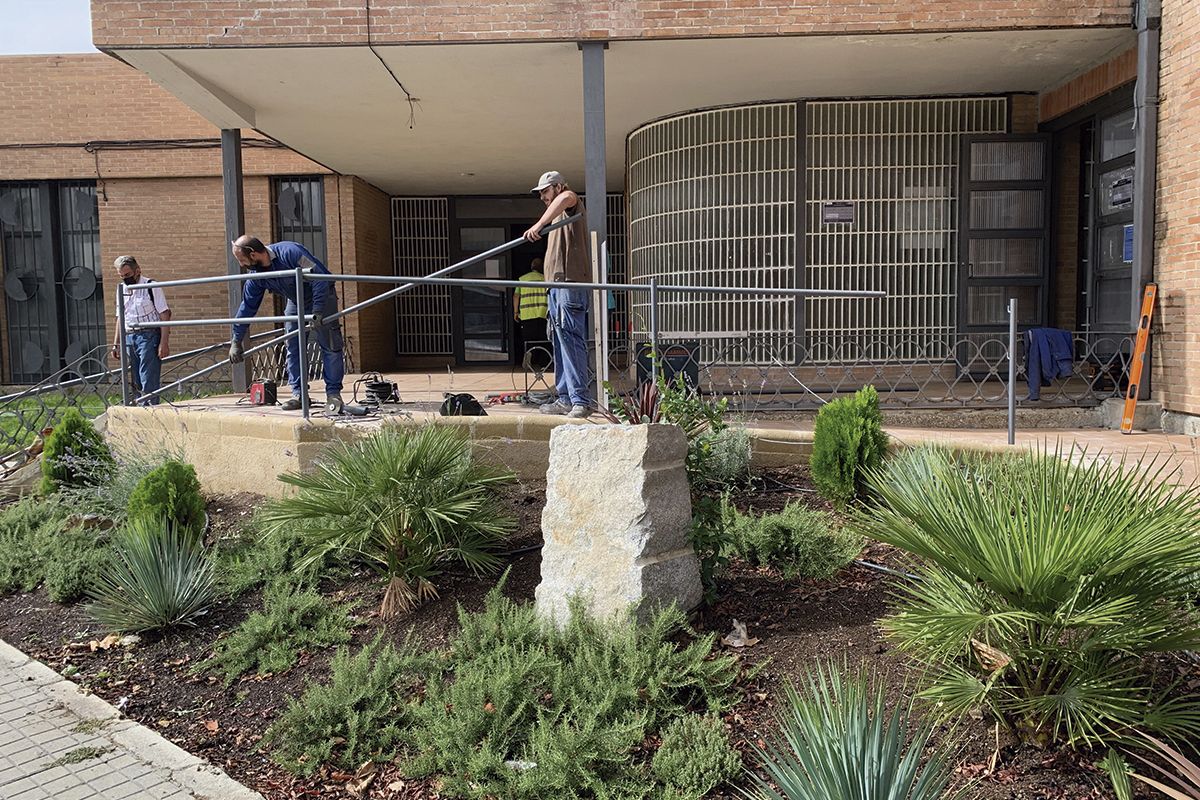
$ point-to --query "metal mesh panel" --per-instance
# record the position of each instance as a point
(300, 213)
(618, 271)
(712, 200)
(420, 230)
(893, 167)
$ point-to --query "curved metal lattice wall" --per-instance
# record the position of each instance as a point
(712, 201)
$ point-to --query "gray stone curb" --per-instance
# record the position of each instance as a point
(190, 772)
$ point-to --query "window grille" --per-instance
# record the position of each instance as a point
(712, 200)
(895, 162)
(300, 213)
(420, 232)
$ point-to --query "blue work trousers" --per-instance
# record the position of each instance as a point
(145, 367)
(568, 328)
(329, 337)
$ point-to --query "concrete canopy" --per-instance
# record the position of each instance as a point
(489, 118)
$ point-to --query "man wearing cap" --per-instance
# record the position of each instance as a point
(320, 300)
(145, 348)
(567, 261)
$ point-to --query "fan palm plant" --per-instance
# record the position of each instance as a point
(839, 740)
(1042, 586)
(403, 501)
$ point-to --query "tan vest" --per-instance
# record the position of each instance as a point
(567, 251)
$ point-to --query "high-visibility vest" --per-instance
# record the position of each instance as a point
(531, 300)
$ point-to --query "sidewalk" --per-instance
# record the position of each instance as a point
(56, 742)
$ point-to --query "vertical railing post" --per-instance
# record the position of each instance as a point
(654, 331)
(300, 341)
(1012, 370)
(122, 355)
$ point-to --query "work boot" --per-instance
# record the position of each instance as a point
(291, 405)
(579, 412)
(557, 407)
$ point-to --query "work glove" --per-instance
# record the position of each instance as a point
(236, 354)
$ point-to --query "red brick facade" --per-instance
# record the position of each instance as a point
(1092, 84)
(163, 203)
(1177, 252)
(165, 23)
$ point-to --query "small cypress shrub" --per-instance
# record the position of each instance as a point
(800, 542)
(695, 756)
(24, 526)
(848, 440)
(170, 491)
(74, 559)
(75, 453)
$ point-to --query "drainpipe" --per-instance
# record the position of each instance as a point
(1145, 106)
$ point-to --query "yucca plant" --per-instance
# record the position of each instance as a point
(403, 501)
(840, 740)
(1186, 776)
(1042, 586)
(159, 577)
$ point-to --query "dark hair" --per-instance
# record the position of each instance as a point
(250, 243)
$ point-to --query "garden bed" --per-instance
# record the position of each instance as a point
(797, 623)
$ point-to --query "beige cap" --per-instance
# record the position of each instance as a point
(548, 179)
(123, 260)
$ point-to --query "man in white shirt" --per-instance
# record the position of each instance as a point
(145, 348)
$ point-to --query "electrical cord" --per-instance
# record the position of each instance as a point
(412, 101)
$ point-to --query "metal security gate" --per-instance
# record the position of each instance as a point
(300, 213)
(421, 244)
(54, 300)
(881, 213)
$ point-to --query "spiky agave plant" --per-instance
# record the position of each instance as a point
(160, 577)
(840, 740)
(404, 501)
(1043, 584)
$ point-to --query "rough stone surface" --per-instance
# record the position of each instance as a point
(616, 521)
(1147, 415)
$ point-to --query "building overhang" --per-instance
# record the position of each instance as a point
(489, 118)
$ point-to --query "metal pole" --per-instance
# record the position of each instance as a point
(654, 331)
(122, 355)
(604, 297)
(235, 226)
(301, 343)
(1012, 370)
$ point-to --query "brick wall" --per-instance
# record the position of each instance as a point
(373, 256)
(159, 23)
(1176, 378)
(1066, 230)
(1094, 83)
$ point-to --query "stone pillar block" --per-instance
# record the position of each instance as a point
(618, 511)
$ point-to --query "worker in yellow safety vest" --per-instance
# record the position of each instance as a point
(530, 309)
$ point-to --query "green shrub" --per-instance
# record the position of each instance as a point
(1043, 584)
(403, 501)
(24, 527)
(728, 458)
(839, 740)
(848, 440)
(171, 492)
(74, 453)
(800, 542)
(709, 540)
(109, 487)
(269, 641)
(159, 577)
(360, 713)
(695, 756)
(575, 701)
(74, 560)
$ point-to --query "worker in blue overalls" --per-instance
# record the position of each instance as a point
(320, 300)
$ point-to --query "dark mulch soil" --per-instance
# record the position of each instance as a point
(798, 624)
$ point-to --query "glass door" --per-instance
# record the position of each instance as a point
(483, 311)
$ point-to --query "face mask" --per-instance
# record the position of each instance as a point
(130, 281)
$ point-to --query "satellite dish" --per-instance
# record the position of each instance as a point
(79, 283)
(290, 205)
(32, 357)
(74, 353)
(19, 286)
(11, 208)
(84, 208)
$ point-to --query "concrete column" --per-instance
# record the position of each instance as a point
(235, 226)
(1145, 167)
(596, 189)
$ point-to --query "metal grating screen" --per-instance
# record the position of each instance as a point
(300, 213)
(420, 233)
(881, 212)
(712, 201)
(618, 271)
